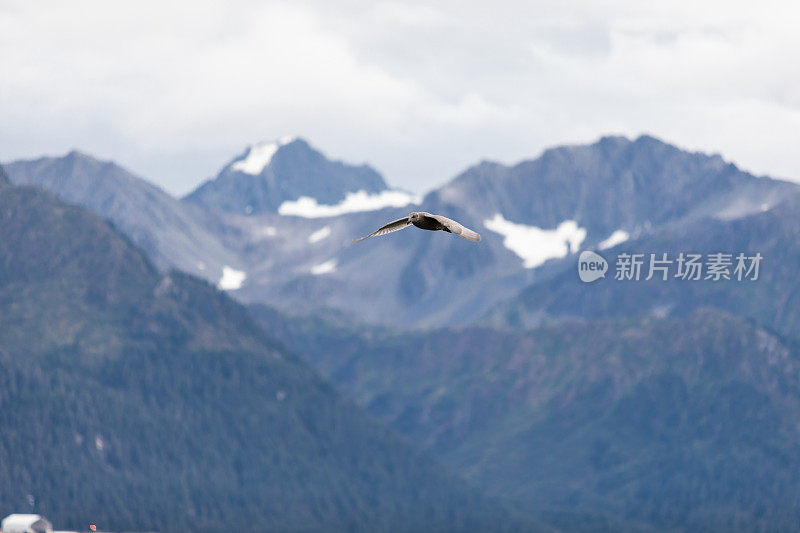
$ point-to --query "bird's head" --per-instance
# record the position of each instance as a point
(413, 217)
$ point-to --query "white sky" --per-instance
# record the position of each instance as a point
(172, 90)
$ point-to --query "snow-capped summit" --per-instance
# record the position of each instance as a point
(259, 156)
(353, 202)
(268, 174)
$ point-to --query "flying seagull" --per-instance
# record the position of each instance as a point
(424, 220)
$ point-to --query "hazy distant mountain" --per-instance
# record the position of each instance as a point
(294, 249)
(173, 234)
(268, 174)
(612, 185)
(134, 399)
(687, 424)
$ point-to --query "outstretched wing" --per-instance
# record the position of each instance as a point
(398, 224)
(457, 228)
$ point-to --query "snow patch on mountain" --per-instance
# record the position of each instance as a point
(743, 207)
(320, 234)
(618, 237)
(324, 268)
(535, 245)
(353, 202)
(259, 156)
(231, 279)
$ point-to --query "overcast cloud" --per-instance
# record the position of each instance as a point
(172, 90)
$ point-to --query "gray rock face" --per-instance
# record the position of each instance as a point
(268, 174)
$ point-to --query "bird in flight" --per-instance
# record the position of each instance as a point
(427, 221)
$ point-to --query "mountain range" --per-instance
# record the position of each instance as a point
(292, 249)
